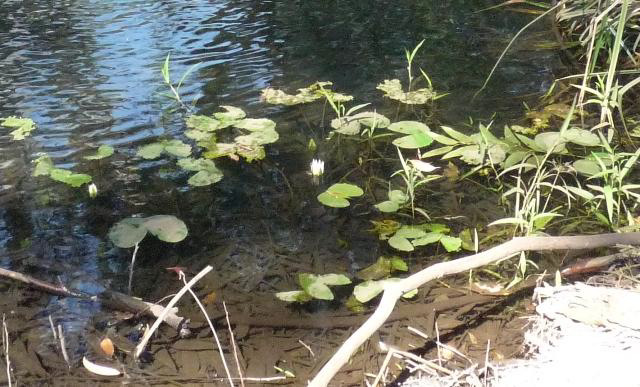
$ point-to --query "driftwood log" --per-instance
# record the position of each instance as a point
(108, 298)
(393, 292)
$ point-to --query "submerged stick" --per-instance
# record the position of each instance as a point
(393, 292)
(167, 309)
(109, 298)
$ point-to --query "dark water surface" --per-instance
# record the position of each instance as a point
(88, 73)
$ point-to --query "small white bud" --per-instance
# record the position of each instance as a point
(93, 191)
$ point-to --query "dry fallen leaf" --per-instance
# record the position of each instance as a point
(107, 346)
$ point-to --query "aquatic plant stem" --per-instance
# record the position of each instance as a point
(394, 291)
(133, 261)
(167, 309)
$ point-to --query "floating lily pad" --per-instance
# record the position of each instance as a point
(231, 114)
(44, 165)
(173, 147)
(400, 243)
(337, 195)
(203, 123)
(177, 148)
(151, 151)
(382, 268)
(167, 228)
(103, 151)
(393, 89)
(23, 126)
(68, 177)
(294, 296)
(315, 288)
(127, 232)
(368, 290)
(256, 124)
(131, 231)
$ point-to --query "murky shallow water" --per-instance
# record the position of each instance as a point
(88, 73)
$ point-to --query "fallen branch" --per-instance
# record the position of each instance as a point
(393, 292)
(108, 298)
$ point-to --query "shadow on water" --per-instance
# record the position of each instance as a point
(88, 73)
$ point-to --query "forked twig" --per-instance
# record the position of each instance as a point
(167, 309)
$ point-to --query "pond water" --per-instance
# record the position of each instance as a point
(88, 73)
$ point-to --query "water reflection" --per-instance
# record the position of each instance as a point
(88, 73)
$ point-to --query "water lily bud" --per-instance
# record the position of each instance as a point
(93, 191)
(317, 167)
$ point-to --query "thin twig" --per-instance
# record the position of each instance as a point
(233, 343)
(167, 309)
(5, 344)
(63, 347)
(53, 329)
(213, 329)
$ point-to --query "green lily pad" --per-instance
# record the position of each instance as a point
(167, 228)
(198, 135)
(409, 127)
(177, 148)
(428, 238)
(23, 126)
(400, 243)
(393, 89)
(315, 288)
(151, 151)
(334, 279)
(127, 232)
(256, 124)
(68, 177)
(294, 296)
(231, 114)
(203, 123)
(388, 206)
(205, 177)
(337, 195)
(368, 290)
(104, 151)
(450, 243)
(44, 165)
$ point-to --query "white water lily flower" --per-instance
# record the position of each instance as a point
(93, 190)
(317, 168)
(423, 166)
